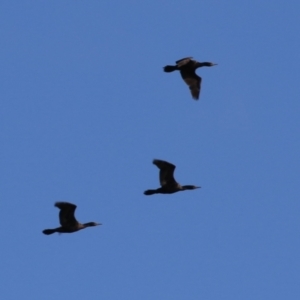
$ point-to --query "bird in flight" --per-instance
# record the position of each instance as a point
(187, 67)
(167, 181)
(67, 220)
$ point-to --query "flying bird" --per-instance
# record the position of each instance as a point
(167, 181)
(187, 67)
(67, 220)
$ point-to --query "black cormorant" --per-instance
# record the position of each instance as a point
(187, 67)
(67, 220)
(167, 181)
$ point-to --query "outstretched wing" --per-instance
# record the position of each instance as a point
(183, 61)
(193, 81)
(166, 172)
(66, 214)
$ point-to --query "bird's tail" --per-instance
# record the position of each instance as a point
(49, 231)
(150, 192)
(169, 69)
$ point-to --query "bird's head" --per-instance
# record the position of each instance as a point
(90, 224)
(190, 187)
(205, 64)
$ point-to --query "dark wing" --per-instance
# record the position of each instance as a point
(193, 81)
(166, 172)
(66, 214)
(183, 61)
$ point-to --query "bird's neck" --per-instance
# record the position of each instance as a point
(187, 187)
(203, 64)
(89, 224)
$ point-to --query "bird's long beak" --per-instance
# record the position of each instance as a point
(198, 187)
(99, 223)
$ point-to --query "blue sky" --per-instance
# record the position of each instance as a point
(85, 107)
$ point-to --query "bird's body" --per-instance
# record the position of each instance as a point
(67, 220)
(187, 67)
(167, 181)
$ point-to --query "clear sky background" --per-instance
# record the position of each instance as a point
(85, 107)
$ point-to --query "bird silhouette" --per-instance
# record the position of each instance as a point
(167, 181)
(187, 67)
(67, 220)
